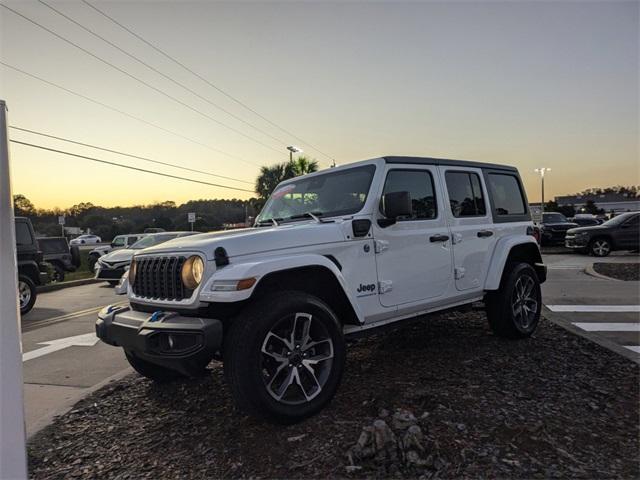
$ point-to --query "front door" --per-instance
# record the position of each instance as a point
(413, 256)
(472, 229)
(628, 234)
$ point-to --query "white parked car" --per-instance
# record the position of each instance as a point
(112, 265)
(85, 239)
(333, 254)
(118, 242)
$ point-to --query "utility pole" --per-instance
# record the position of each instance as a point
(13, 459)
(541, 171)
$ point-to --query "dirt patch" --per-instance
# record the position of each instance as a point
(555, 405)
(619, 271)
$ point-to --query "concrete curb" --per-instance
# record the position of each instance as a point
(48, 419)
(590, 271)
(59, 286)
(559, 320)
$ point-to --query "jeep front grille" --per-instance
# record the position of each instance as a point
(159, 278)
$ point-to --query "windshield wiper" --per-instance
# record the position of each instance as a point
(314, 215)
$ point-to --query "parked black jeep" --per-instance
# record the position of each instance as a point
(31, 271)
(619, 233)
(553, 228)
(56, 252)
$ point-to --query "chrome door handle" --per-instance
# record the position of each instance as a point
(438, 238)
(485, 233)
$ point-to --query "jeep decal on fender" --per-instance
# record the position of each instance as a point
(366, 289)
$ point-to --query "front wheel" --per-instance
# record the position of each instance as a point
(26, 293)
(284, 357)
(514, 310)
(600, 247)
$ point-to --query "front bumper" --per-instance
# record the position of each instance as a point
(576, 242)
(110, 274)
(167, 339)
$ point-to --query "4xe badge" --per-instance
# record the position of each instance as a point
(368, 289)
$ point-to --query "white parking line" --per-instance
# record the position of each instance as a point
(594, 308)
(608, 327)
(565, 267)
(633, 348)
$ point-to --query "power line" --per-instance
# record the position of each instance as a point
(139, 80)
(146, 159)
(204, 79)
(106, 162)
(171, 79)
(126, 114)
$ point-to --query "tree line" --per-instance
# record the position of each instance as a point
(211, 214)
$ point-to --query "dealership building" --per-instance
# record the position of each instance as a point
(610, 202)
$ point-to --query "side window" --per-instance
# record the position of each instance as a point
(419, 184)
(506, 194)
(118, 242)
(633, 221)
(131, 240)
(23, 234)
(465, 194)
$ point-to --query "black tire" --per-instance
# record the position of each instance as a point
(600, 247)
(91, 260)
(251, 373)
(153, 372)
(501, 305)
(75, 256)
(58, 274)
(26, 294)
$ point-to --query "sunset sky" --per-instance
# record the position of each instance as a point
(530, 84)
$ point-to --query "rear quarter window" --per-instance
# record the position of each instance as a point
(506, 194)
(23, 234)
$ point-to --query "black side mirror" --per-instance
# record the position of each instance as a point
(394, 205)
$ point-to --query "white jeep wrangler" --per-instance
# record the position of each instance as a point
(333, 254)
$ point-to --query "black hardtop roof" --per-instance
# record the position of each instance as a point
(448, 162)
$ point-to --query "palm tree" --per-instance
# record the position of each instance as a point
(270, 177)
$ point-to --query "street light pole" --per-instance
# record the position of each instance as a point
(293, 149)
(13, 463)
(541, 171)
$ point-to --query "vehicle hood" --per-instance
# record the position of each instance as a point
(120, 255)
(592, 228)
(560, 225)
(249, 241)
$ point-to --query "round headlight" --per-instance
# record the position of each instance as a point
(192, 272)
(132, 271)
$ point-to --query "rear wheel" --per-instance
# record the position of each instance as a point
(514, 310)
(26, 293)
(600, 247)
(284, 357)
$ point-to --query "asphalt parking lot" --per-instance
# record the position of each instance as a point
(63, 360)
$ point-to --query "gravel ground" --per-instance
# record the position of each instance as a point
(555, 405)
(619, 271)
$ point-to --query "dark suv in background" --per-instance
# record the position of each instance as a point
(619, 233)
(553, 228)
(31, 271)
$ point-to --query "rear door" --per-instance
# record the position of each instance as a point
(470, 220)
(413, 256)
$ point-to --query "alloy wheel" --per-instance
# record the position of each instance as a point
(296, 359)
(524, 303)
(601, 248)
(24, 293)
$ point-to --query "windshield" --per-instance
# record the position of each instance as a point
(331, 194)
(553, 218)
(618, 220)
(152, 240)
